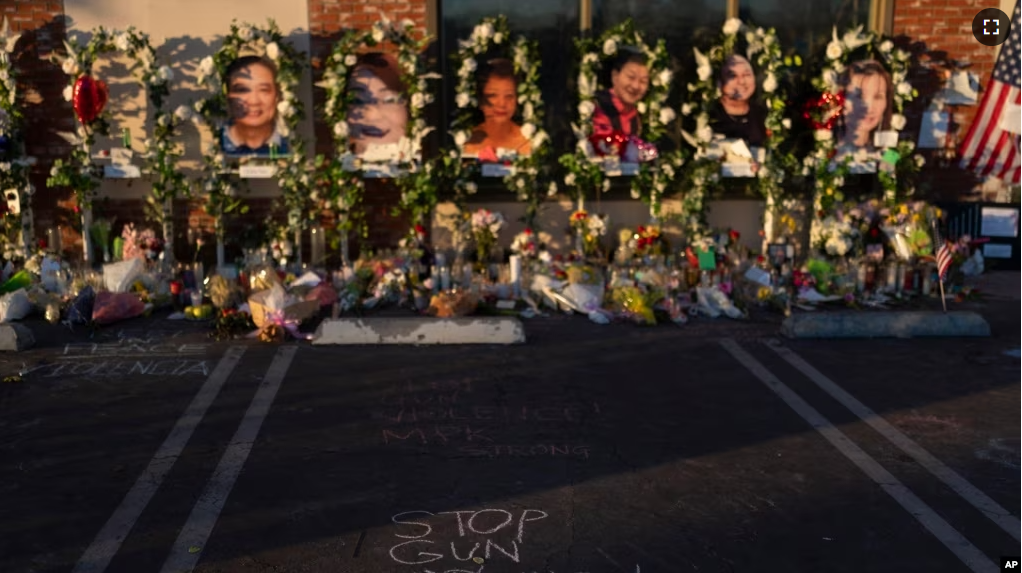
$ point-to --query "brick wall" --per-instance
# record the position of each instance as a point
(40, 87)
(937, 31)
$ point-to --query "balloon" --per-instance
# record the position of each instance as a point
(89, 98)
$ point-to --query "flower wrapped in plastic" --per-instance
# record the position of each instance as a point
(635, 303)
(277, 314)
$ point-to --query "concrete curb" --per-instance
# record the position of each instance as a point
(15, 337)
(420, 330)
(907, 324)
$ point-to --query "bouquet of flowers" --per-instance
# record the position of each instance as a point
(908, 228)
(140, 244)
(649, 241)
(835, 235)
(589, 228)
(525, 244)
(100, 232)
(485, 226)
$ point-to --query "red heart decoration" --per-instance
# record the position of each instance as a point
(824, 111)
(89, 98)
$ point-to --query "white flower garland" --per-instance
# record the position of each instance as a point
(585, 170)
(347, 183)
(154, 79)
(14, 169)
(763, 49)
(523, 178)
(293, 170)
(830, 174)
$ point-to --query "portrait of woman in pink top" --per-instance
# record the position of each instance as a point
(617, 106)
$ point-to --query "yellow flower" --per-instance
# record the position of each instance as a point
(917, 218)
(903, 209)
(830, 191)
(764, 293)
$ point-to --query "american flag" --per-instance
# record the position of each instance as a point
(988, 149)
(943, 259)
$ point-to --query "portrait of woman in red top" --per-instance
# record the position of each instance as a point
(617, 106)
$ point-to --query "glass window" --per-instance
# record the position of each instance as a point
(554, 24)
(805, 26)
(681, 24)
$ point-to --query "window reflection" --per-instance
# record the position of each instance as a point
(805, 26)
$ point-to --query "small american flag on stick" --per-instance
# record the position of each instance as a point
(944, 257)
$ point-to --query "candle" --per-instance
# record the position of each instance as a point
(927, 281)
(860, 278)
(516, 274)
(445, 278)
(899, 278)
(892, 277)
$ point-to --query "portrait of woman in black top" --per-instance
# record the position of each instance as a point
(737, 115)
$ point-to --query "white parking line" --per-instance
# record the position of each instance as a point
(927, 517)
(109, 539)
(970, 493)
(187, 550)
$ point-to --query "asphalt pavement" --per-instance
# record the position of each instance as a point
(717, 446)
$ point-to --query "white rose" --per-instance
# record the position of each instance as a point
(898, 122)
(70, 67)
(586, 109)
(206, 66)
(471, 188)
(667, 115)
(538, 140)
(377, 34)
(732, 26)
(823, 135)
(705, 72)
(551, 190)
(285, 108)
(528, 111)
(609, 47)
(920, 160)
(460, 138)
(463, 100)
(642, 107)
(68, 93)
(768, 40)
(770, 83)
(272, 50)
(569, 179)
(904, 89)
(886, 46)
(166, 74)
(704, 134)
(183, 113)
(634, 193)
(418, 101)
(498, 38)
(606, 185)
(686, 109)
(486, 30)
(245, 33)
(122, 42)
(341, 129)
(829, 77)
(834, 50)
(665, 77)
(786, 123)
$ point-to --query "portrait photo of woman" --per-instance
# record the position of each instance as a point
(737, 115)
(252, 98)
(497, 93)
(868, 105)
(379, 113)
(617, 106)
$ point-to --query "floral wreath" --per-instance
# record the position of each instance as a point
(764, 51)
(14, 168)
(583, 173)
(822, 113)
(293, 170)
(345, 171)
(159, 153)
(524, 178)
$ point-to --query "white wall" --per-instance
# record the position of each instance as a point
(182, 32)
